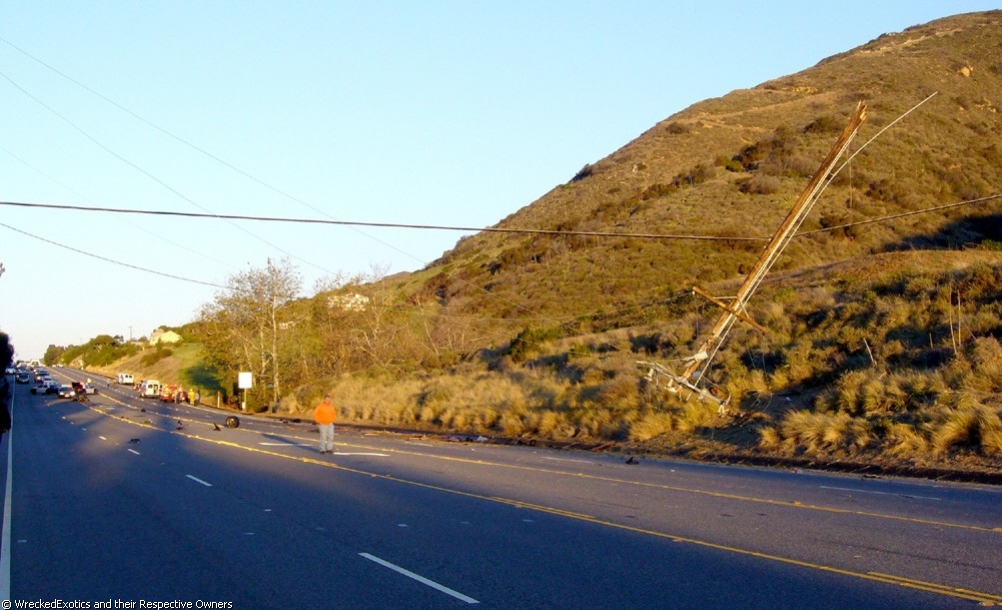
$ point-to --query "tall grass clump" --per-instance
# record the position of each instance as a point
(967, 424)
(820, 432)
(651, 426)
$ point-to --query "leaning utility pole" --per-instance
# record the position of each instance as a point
(699, 363)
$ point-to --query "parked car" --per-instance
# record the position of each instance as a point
(46, 386)
(67, 391)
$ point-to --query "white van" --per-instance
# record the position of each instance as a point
(126, 379)
(149, 389)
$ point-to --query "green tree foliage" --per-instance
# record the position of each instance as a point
(53, 354)
(154, 356)
(6, 350)
(102, 350)
(240, 328)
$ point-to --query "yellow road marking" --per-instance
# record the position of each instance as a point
(929, 587)
(661, 486)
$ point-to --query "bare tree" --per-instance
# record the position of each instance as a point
(243, 321)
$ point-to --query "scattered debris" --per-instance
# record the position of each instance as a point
(133, 440)
(632, 460)
(216, 426)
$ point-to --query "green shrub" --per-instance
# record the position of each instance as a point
(760, 184)
(156, 356)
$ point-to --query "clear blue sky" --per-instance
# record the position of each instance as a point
(451, 113)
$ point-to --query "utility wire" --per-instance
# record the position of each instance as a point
(667, 236)
(111, 260)
(198, 148)
(215, 157)
(905, 214)
(153, 234)
(53, 206)
(145, 172)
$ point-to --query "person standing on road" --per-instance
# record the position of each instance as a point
(324, 414)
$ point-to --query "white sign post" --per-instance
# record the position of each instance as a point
(245, 381)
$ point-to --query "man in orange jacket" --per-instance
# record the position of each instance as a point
(324, 414)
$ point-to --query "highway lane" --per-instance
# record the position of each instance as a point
(510, 527)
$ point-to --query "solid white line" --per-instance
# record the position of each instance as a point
(5, 543)
(198, 480)
(314, 445)
(567, 460)
(350, 453)
(420, 579)
(882, 493)
(134, 451)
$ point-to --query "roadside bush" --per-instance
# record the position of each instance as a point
(816, 432)
(760, 184)
(156, 356)
(650, 426)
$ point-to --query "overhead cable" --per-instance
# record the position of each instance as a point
(198, 148)
(111, 260)
(143, 171)
(390, 225)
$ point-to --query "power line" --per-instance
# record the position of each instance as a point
(905, 214)
(198, 148)
(144, 171)
(389, 225)
(154, 234)
(111, 260)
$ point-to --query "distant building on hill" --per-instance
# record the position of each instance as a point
(164, 336)
(348, 302)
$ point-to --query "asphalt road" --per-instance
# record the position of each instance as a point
(134, 501)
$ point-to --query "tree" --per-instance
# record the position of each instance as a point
(242, 323)
(6, 358)
(52, 355)
(6, 351)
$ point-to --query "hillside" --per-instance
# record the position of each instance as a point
(881, 320)
(565, 317)
(732, 166)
